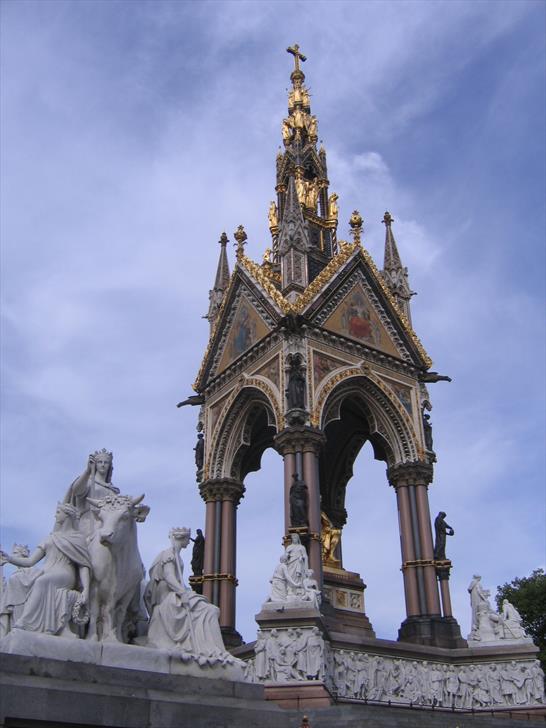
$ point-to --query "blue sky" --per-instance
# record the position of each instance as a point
(134, 133)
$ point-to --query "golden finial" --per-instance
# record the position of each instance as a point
(355, 223)
(241, 237)
(295, 51)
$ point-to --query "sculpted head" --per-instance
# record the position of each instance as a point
(20, 549)
(104, 463)
(180, 536)
(295, 538)
(65, 511)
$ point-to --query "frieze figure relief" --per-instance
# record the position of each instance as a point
(287, 654)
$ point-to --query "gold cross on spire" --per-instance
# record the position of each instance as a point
(295, 51)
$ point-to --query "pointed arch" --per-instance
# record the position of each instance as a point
(248, 424)
(356, 407)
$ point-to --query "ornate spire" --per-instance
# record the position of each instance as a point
(302, 165)
(394, 273)
(293, 243)
(221, 282)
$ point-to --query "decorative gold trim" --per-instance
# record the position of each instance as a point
(401, 315)
(221, 577)
(265, 279)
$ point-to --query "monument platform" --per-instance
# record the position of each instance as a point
(41, 693)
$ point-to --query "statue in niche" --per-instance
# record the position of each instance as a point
(54, 597)
(301, 188)
(442, 530)
(330, 537)
(312, 193)
(198, 553)
(298, 501)
(295, 392)
(95, 482)
(15, 591)
(427, 431)
(180, 619)
(199, 450)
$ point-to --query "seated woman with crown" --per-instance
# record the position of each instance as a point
(180, 618)
(53, 598)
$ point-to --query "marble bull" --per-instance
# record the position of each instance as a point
(116, 564)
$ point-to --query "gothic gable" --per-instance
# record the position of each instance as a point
(356, 317)
(354, 302)
(247, 315)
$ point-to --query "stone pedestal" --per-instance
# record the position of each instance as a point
(299, 695)
(343, 606)
(433, 630)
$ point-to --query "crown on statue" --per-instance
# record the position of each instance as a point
(104, 452)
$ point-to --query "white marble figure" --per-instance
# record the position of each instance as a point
(15, 591)
(53, 597)
(487, 625)
(117, 566)
(485, 622)
(180, 619)
(511, 622)
(292, 582)
(95, 482)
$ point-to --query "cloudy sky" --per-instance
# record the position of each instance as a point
(134, 133)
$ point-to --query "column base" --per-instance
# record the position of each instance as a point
(231, 637)
(434, 631)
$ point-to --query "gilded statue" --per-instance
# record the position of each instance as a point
(299, 118)
(286, 130)
(332, 206)
(330, 536)
(273, 215)
(312, 127)
(311, 198)
(301, 189)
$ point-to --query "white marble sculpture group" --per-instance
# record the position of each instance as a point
(488, 625)
(292, 583)
(84, 580)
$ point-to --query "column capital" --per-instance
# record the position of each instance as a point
(221, 489)
(299, 438)
(415, 473)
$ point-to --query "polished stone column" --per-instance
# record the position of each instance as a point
(222, 496)
(424, 623)
(300, 446)
(408, 551)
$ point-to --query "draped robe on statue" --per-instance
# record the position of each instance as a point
(52, 590)
(178, 616)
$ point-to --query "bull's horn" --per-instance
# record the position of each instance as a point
(94, 502)
(134, 501)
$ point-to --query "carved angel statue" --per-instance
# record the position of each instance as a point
(52, 598)
(286, 130)
(312, 127)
